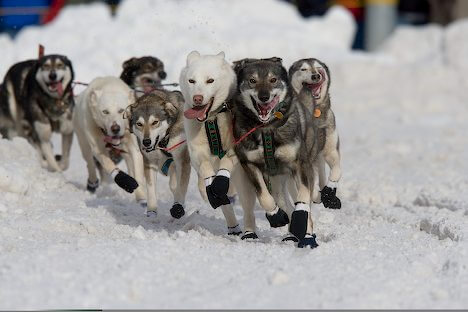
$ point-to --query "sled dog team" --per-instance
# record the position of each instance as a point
(250, 128)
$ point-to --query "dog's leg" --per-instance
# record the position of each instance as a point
(182, 168)
(67, 140)
(202, 188)
(247, 200)
(135, 167)
(332, 157)
(276, 216)
(301, 225)
(151, 178)
(13, 108)
(44, 133)
(87, 154)
(216, 199)
(126, 182)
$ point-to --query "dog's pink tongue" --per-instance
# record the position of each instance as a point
(265, 108)
(195, 112)
(59, 88)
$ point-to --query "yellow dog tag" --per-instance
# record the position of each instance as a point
(278, 115)
(317, 113)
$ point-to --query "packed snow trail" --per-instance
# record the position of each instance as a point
(400, 240)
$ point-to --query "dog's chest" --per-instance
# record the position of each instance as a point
(269, 150)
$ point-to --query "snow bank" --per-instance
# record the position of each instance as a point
(98, 44)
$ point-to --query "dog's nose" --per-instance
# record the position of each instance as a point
(162, 74)
(198, 99)
(115, 128)
(52, 76)
(316, 77)
(264, 97)
(147, 142)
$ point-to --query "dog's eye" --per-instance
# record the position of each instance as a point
(59, 66)
(211, 80)
(191, 81)
(121, 111)
(46, 67)
(303, 69)
(155, 122)
(139, 124)
(273, 80)
(105, 112)
(253, 81)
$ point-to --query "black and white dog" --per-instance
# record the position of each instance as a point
(143, 74)
(36, 99)
(282, 146)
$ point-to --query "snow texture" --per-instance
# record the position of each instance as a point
(400, 240)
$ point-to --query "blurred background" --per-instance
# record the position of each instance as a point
(375, 19)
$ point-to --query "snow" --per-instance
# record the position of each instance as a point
(400, 240)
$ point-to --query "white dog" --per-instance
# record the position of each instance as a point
(101, 129)
(207, 82)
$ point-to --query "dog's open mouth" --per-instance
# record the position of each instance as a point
(55, 87)
(200, 112)
(265, 109)
(316, 88)
(113, 140)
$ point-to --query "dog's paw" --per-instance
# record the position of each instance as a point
(215, 199)
(234, 230)
(248, 235)
(126, 182)
(290, 238)
(177, 211)
(92, 186)
(329, 198)
(151, 213)
(278, 218)
(298, 225)
(309, 241)
(220, 184)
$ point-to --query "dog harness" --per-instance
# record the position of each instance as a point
(166, 165)
(214, 138)
(269, 152)
(163, 145)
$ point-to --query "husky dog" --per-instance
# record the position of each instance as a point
(101, 127)
(281, 143)
(207, 82)
(310, 80)
(143, 74)
(36, 99)
(157, 121)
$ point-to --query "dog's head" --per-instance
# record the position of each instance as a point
(311, 74)
(107, 107)
(262, 86)
(54, 74)
(144, 73)
(152, 115)
(206, 83)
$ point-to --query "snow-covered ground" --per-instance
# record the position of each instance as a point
(400, 240)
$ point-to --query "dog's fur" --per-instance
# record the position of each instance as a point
(36, 100)
(265, 100)
(207, 82)
(100, 127)
(143, 74)
(156, 119)
(310, 80)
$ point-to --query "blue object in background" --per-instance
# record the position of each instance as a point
(15, 14)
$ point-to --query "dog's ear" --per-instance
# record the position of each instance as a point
(274, 59)
(240, 64)
(194, 55)
(221, 55)
(94, 96)
(177, 98)
(171, 109)
(128, 63)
